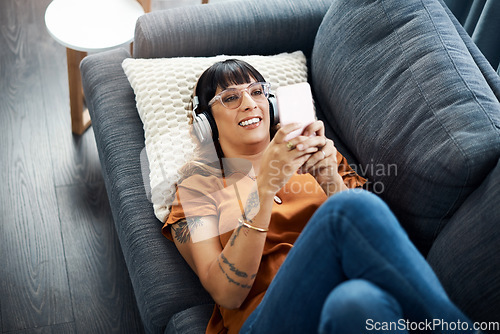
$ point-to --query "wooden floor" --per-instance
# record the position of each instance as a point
(61, 267)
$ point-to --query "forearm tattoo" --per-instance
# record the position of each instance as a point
(232, 267)
(184, 227)
(237, 272)
(252, 205)
(235, 234)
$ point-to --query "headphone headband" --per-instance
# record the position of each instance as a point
(196, 103)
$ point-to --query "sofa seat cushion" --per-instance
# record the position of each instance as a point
(397, 83)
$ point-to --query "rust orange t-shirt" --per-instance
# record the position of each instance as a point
(294, 205)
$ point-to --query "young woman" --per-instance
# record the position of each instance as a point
(351, 270)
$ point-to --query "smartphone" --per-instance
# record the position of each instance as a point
(295, 105)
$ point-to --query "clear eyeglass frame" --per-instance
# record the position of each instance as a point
(232, 98)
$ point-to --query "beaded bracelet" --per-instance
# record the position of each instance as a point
(247, 225)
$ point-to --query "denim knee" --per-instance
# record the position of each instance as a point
(357, 200)
(353, 306)
(360, 208)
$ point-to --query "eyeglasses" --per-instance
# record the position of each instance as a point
(232, 98)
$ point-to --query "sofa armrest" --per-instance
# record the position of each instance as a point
(465, 255)
(236, 27)
(163, 283)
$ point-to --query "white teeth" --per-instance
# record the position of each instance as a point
(250, 121)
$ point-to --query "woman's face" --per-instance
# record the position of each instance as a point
(244, 127)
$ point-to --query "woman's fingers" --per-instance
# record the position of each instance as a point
(282, 158)
(279, 137)
(315, 128)
(302, 143)
(326, 156)
(315, 162)
(315, 141)
(313, 135)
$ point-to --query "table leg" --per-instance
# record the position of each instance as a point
(80, 118)
(146, 5)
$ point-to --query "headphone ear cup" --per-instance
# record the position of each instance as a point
(201, 126)
(273, 111)
(205, 127)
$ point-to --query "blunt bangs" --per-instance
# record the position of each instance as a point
(224, 74)
(234, 72)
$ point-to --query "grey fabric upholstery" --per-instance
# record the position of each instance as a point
(466, 253)
(226, 28)
(396, 82)
(387, 75)
(190, 321)
(163, 283)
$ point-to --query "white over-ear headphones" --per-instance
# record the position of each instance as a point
(201, 125)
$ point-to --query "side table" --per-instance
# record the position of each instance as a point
(84, 26)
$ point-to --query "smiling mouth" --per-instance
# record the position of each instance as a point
(249, 122)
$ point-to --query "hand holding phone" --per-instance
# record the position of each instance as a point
(295, 105)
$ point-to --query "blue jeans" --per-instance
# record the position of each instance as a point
(354, 270)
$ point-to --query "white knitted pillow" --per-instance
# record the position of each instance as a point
(163, 89)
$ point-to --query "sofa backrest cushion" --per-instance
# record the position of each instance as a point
(398, 85)
(247, 27)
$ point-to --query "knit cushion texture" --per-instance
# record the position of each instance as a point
(163, 88)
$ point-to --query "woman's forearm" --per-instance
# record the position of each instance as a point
(231, 276)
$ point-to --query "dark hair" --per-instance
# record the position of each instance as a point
(223, 74)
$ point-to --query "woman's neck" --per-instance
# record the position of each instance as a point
(254, 157)
(255, 160)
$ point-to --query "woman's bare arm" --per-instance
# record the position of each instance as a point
(227, 274)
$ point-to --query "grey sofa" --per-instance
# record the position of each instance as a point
(404, 93)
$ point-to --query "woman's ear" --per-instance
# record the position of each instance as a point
(190, 118)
